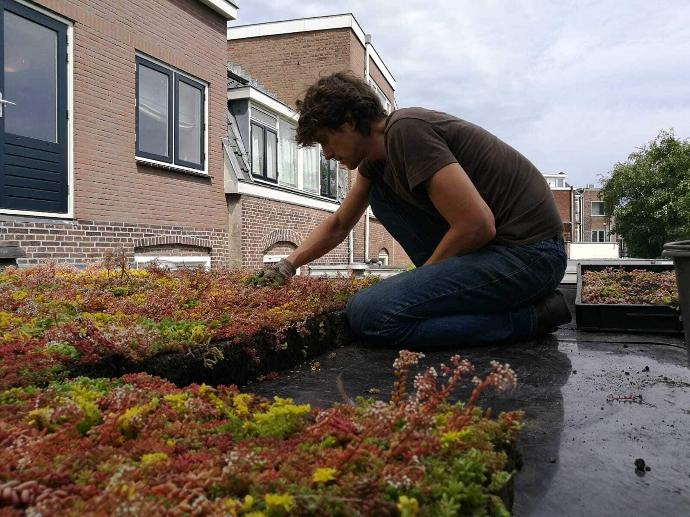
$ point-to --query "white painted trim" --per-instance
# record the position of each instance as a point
(251, 93)
(561, 188)
(50, 215)
(70, 122)
(227, 9)
(171, 166)
(338, 21)
(258, 190)
(145, 259)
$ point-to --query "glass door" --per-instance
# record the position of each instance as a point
(33, 110)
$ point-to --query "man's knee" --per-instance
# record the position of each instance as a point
(361, 312)
(368, 318)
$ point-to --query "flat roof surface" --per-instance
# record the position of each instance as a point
(578, 446)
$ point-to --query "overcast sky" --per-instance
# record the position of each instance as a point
(575, 86)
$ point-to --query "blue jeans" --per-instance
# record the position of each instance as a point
(483, 297)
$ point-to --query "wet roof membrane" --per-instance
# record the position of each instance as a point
(594, 404)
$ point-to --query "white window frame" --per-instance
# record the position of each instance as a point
(172, 165)
(591, 211)
(140, 260)
(598, 233)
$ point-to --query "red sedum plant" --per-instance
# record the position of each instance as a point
(138, 445)
(51, 315)
(623, 286)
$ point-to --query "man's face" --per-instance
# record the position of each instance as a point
(344, 144)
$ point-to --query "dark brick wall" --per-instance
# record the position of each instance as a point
(84, 242)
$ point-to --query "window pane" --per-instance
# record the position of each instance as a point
(343, 180)
(333, 178)
(287, 154)
(189, 123)
(153, 111)
(30, 78)
(271, 155)
(310, 168)
(257, 150)
(597, 208)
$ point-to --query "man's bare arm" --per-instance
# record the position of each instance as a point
(472, 224)
(335, 228)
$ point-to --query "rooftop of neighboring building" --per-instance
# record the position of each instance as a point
(317, 23)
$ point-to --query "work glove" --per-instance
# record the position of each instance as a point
(275, 274)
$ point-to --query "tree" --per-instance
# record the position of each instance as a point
(649, 195)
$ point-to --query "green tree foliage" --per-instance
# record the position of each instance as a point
(649, 195)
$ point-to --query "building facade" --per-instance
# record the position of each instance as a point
(278, 193)
(563, 195)
(125, 154)
(595, 223)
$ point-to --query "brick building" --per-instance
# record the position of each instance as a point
(595, 223)
(126, 152)
(563, 195)
(276, 192)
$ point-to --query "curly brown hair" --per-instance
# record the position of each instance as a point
(333, 100)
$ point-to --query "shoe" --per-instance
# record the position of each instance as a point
(552, 311)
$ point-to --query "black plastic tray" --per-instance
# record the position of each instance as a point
(625, 318)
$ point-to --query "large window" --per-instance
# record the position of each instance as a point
(597, 208)
(329, 178)
(310, 168)
(170, 124)
(264, 152)
(288, 154)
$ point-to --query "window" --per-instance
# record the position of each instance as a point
(598, 236)
(288, 154)
(329, 177)
(383, 257)
(173, 262)
(264, 152)
(598, 208)
(560, 182)
(170, 115)
(310, 168)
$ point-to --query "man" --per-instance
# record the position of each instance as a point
(474, 215)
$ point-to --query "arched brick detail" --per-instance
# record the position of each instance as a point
(173, 239)
(271, 238)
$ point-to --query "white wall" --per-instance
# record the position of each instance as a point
(593, 250)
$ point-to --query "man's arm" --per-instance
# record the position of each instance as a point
(335, 228)
(471, 220)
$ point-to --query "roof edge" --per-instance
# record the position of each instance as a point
(227, 8)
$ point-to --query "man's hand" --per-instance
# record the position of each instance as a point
(274, 275)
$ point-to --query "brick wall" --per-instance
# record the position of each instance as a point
(564, 200)
(288, 64)
(379, 238)
(84, 242)
(381, 81)
(266, 222)
(108, 183)
(357, 59)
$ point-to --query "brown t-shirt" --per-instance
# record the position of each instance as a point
(419, 142)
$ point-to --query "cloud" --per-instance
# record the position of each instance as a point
(576, 86)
